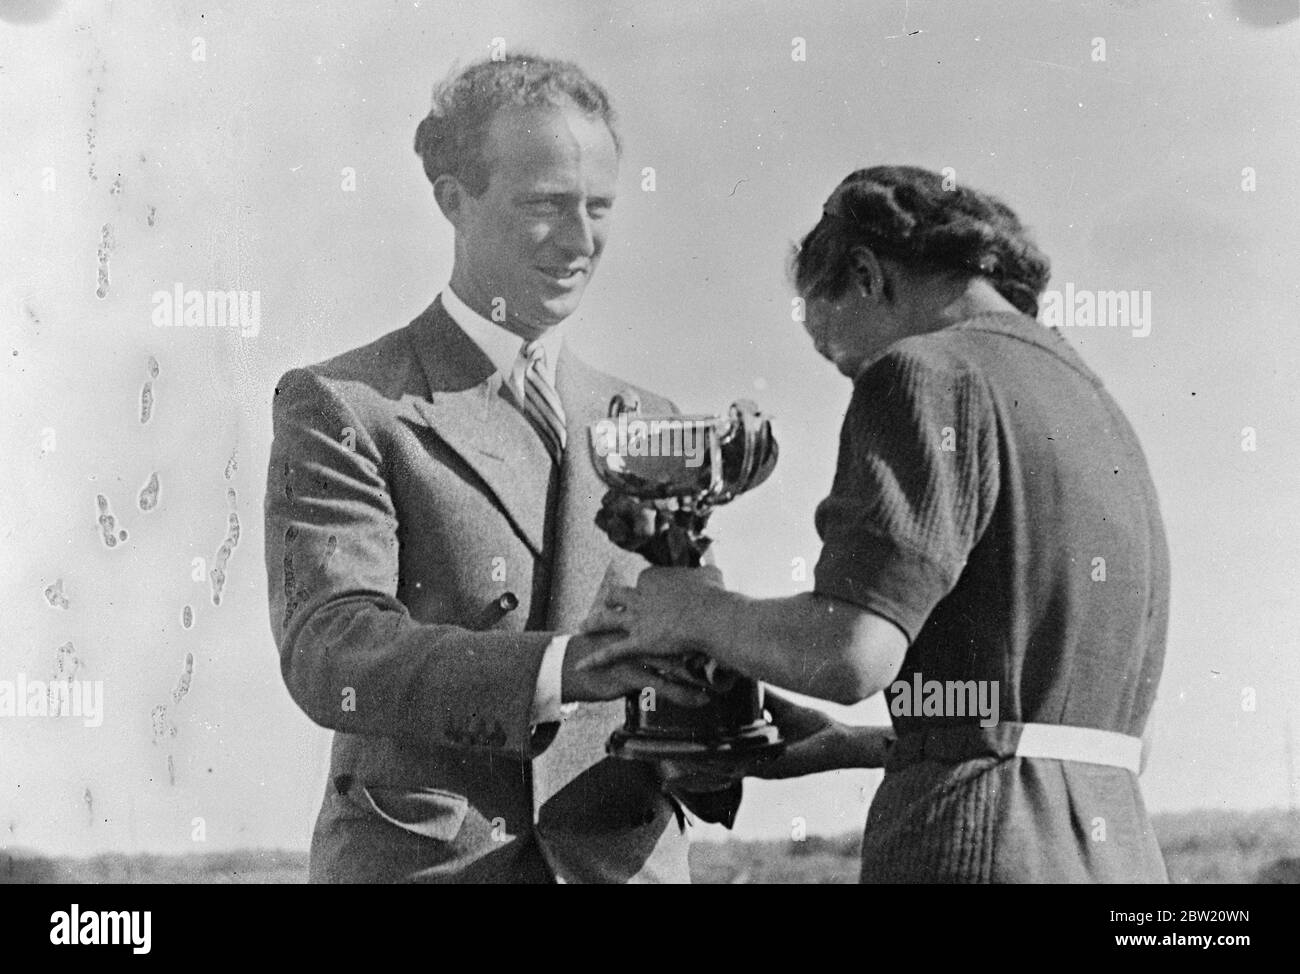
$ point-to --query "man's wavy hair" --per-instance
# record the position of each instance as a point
(451, 138)
(905, 213)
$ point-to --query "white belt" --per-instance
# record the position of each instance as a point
(1086, 744)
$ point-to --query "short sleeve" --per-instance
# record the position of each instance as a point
(915, 486)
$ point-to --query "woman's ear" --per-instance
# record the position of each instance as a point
(868, 272)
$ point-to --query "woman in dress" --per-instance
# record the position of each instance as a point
(992, 530)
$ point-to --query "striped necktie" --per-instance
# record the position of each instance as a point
(541, 403)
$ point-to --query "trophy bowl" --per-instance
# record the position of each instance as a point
(699, 462)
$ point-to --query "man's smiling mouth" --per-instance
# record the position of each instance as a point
(563, 274)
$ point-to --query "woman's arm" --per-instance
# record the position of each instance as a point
(811, 644)
(808, 643)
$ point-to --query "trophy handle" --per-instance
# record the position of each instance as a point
(745, 413)
(752, 428)
(626, 402)
(717, 482)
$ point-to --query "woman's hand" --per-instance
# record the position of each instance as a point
(667, 614)
(818, 742)
(814, 741)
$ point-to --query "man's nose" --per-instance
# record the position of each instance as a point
(576, 234)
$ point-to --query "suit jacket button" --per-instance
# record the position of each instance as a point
(497, 609)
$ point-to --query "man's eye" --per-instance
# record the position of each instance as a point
(598, 211)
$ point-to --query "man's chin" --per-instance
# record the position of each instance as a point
(551, 313)
(540, 319)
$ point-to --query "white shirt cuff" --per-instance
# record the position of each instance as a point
(547, 708)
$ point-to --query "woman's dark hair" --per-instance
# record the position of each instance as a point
(910, 215)
(450, 138)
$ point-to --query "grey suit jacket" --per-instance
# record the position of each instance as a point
(421, 549)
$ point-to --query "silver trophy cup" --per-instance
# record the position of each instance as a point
(700, 462)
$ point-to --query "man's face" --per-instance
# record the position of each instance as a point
(533, 238)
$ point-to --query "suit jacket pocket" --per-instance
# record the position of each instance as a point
(428, 812)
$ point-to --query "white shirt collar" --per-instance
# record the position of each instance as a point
(500, 346)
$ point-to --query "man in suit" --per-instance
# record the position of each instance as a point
(430, 541)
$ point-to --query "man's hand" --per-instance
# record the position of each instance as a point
(667, 676)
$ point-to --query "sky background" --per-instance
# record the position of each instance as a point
(227, 173)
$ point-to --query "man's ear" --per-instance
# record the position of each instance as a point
(450, 194)
(868, 272)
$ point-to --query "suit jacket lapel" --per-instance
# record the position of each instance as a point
(582, 551)
(470, 411)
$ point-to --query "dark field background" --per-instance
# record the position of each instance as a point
(1199, 847)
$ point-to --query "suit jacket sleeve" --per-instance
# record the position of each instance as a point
(351, 655)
